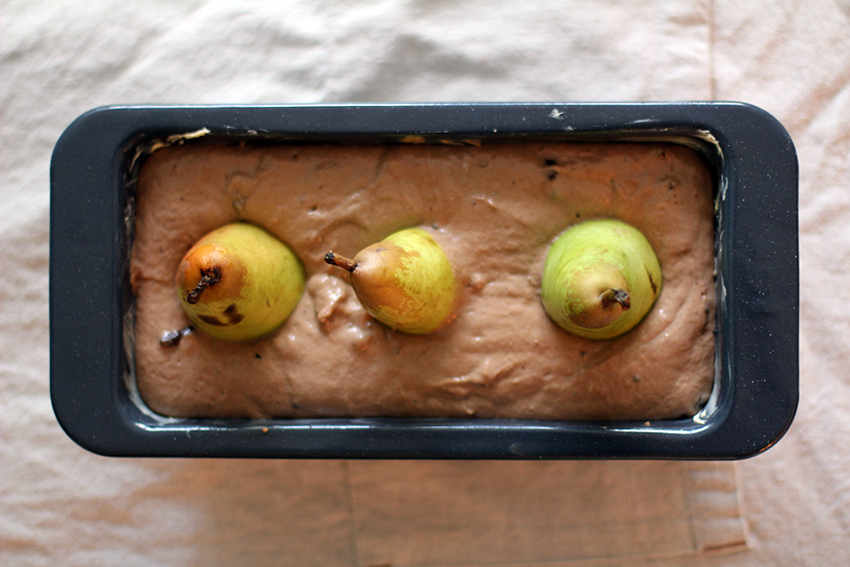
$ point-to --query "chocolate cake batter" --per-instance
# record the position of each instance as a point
(495, 209)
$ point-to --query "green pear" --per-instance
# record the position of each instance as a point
(239, 282)
(404, 281)
(600, 279)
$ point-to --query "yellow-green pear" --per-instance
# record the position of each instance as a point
(600, 279)
(239, 282)
(404, 281)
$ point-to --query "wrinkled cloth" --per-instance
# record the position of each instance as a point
(61, 504)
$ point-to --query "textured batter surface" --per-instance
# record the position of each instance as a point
(495, 209)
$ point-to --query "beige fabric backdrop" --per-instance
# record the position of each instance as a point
(62, 505)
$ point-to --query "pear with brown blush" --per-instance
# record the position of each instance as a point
(600, 279)
(404, 281)
(239, 282)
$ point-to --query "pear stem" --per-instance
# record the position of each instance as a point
(208, 278)
(612, 295)
(335, 259)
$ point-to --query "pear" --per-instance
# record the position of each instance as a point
(600, 279)
(404, 281)
(239, 282)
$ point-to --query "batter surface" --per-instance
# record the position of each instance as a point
(495, 209)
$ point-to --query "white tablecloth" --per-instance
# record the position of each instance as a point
(63, 505)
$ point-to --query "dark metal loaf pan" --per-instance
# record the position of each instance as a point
(756, 388)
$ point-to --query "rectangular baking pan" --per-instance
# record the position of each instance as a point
(755, 394)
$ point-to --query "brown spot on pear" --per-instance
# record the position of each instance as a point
(600, 279)
(405, 281)
(239, 282)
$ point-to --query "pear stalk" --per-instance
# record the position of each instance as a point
(611, 296)
(335, 259)
(208, 278)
